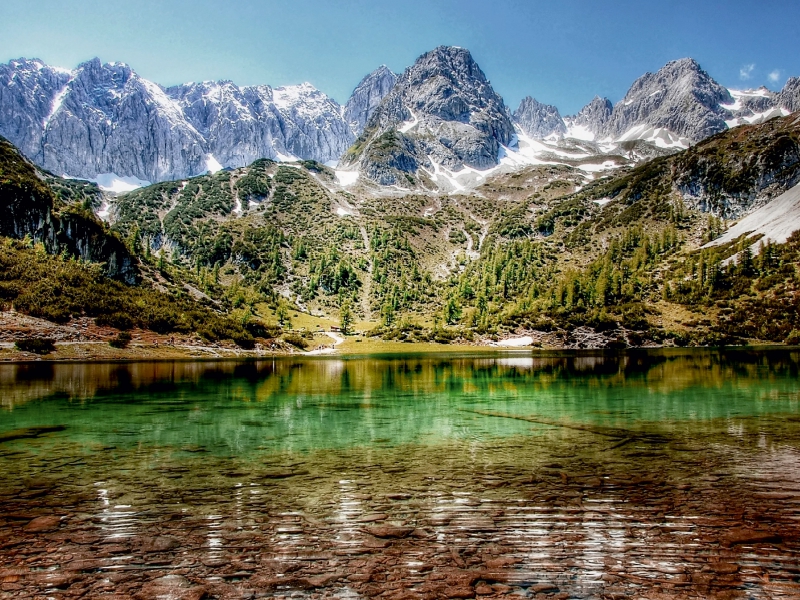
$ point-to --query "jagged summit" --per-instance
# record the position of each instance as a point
(539, 120)
(680, 98)
(441, 112)
(591, 119)
(367, 96)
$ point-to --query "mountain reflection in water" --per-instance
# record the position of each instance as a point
(656, 474)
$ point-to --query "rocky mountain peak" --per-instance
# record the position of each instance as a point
(680, 97)
(448, 84)
(441, 112)
(591, 119)
(367, 96)
(539, 120)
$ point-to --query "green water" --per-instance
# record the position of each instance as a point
(304, 405)
(670, 473)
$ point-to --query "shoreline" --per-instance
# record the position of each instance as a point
(136, 353)
(83, 341)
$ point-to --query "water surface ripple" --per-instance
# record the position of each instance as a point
(664, 474)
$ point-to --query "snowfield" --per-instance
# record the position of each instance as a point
(776, 221)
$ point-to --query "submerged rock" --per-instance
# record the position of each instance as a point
(43, 524)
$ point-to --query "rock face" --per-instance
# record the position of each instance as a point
(241, 125)
(539, 120)
(441, 112)
(28, 89)
(225, 115)
(591, 120)
(30, 208)
(789, 96)
(367, 96)
(104, 118)
(314, 124)
(681, 98)
(107, 119)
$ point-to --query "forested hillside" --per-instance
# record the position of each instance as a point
(612, 260)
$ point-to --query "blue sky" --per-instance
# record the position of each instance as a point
(562, 52)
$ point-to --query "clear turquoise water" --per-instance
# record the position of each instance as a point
(304, 405)
(648, 475)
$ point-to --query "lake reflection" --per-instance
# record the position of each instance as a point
(650, 474)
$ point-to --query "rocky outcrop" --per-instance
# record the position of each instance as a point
(728, 175)
(735, 173)
(367, 96)
(441, 111)
(680, 97)
(539, 120)
(30, 209)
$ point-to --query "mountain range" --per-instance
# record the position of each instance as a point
(439, 125)
(636, 257)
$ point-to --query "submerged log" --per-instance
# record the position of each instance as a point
(624, 435)
(30, 432)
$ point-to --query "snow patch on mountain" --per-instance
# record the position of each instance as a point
(116, 184)
(212, 164)
(607, 165)
(660, 136)
(407, 126)
(740, 96)
(58, 100)
(757, 118)
(775, 221)
(580, 132)
(527, 146)
(443, 177)
(346, 178)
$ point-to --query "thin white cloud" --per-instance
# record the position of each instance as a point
(774, 76)
(746, 72)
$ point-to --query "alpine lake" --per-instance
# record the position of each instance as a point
(649, 474)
